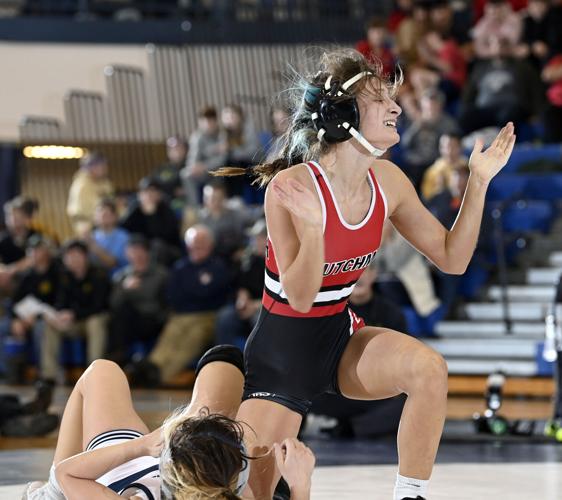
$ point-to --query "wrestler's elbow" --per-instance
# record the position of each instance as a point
(300, 300)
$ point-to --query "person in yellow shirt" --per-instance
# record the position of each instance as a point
(436, 177)
(89, 186)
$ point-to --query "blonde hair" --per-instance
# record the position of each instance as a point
(300, 142)
(202, 456)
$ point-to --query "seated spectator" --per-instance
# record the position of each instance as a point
(236, 321)
(152, 217)
(197, 289)
(404, 274)
(498, 23)
(376, 47)
(374, 307)
(451, 23)
(402, 10)
(445, 206)
(442, 65)
(207, 152)
(89, 186)
(13, 241)
(436, 177)
(409, 33)
(168, 174)
(501, 89)
(81, 309)
(552, 76)
(242, 150)
(533, 46)
(280, 118)
(420, 140)
(553, 31)
(138, 309)
(227, 224)
(40, 281)
(107, 242)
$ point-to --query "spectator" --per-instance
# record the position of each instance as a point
(402, 11)
(40, 281)
(280, 119)
(168, 174)
(13, 241)
(420, 140)
(236, 321)
(449, 23)
(152, 217)
(445, 206)
(498, 23)
(552, 76)
(107, 242)
(89, 186)
(436, 177)
(409, 34)
(500, 89)
(207, 152)
(533, 45)
(444, 65)
(242, 150)
(553, 31)
(138, 301)
(81, 309)
(376, 47)
(197, 289)
(373, 307)
(227, 224)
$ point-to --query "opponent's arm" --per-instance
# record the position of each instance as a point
(294, 223)
(77, 475)
(452, 250)
(296, 462)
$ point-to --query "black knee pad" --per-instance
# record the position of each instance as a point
(225, 353)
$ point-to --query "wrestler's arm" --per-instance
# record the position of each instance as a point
(450, 250)
(77, 475)
(296, 462)
(295, 228)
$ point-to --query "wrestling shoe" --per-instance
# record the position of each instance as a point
(412, 498)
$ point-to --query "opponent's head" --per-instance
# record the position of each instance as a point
(203, 457)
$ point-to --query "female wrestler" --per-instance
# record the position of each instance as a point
(196, 454)
(325, 218)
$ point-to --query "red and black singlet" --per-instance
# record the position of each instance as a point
(348, 249)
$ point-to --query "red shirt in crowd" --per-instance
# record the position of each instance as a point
(384, 55)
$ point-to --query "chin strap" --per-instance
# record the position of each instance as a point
(376, 152)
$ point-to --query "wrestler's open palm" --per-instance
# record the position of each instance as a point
(299, 200)
(486, 164)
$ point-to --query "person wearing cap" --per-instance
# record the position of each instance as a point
(235, 321)
(89, 186)
(80, 309)
(40, 281)
(138, 308)
(152, 217)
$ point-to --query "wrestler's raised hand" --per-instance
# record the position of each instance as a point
(299, 200)
(484, 165)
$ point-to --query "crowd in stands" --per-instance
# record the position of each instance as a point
(153, 279)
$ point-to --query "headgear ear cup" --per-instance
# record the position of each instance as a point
(335, 113)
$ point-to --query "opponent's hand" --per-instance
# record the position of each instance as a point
(296, 462)
(299, 200)
(484, 165)
(152, 443)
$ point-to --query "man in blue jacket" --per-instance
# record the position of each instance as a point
(198, 287)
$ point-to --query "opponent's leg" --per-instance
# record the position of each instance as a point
(266, 422)
(380, 363)
(219, 381)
